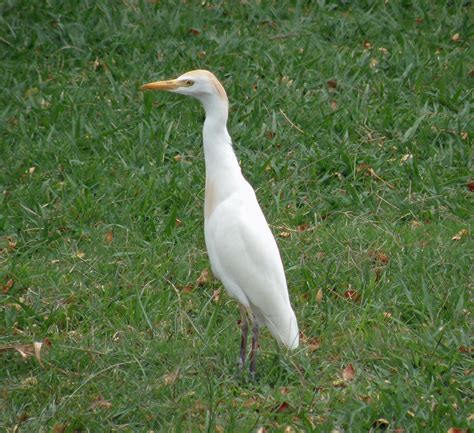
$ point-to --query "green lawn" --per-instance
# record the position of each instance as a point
(352, 120)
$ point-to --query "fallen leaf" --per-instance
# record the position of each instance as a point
(31, 170)
(284, 234)
(303, 227)
(80, 255)
(381, 424)
(59, 428)
(399, 430)
(282, 407)
(419, 21)
(459, 235)
(406, 158)
(334, 104)
(319, 296)
(177, 222)
(457, 430)
(373, 62)
(348, 373)
(25, 350)
(314, 344)
(171, 377)
(261, 430)
(201, 54)
(203, 278)
(96, 64)
(9, 284)
(289, 429)
(177, 157)
(188, 288)
(30, 381)
(109, 236)
(194, 32)
(415, 224)
(216, 295)
(383, 50)
(470, 186)
(332, 84)
(352, 295)
(367, 45)
(471, 73)
(456, 37)
(387, 315)
(465, 349)
(270, 135)
(464, 135)
(100, 403)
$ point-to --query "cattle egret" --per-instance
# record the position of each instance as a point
(242, 250)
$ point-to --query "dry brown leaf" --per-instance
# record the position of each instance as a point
(284, 234)
(470, 186)
(348, 373)
(415, 224)
(270, 135)
(188, 288)
(387, 315)
(406, 158)
(59, 428)
(203, 278)
(314, 344)
(80, 254)
(171, 377)
(282, 407)
(194, 32)
(373, 62)
(352, 295)
(456, 37)
(319, 296)
(100, 403)
(464, 135)
(367, 45)
(201, 54)
(332, 84)
(109, 236)
(457, 430)
(333, 104)
(380, 424)
(25, 350)
(9, 284)
(459, 235)
(216, 295)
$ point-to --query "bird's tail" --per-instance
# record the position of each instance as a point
(285, 329)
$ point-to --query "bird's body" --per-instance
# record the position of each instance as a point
(241, 248)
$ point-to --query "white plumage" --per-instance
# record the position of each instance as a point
(241, 248)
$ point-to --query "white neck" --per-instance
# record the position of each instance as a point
(223, 174)
(218, 152)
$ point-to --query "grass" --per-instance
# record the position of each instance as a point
(351, 119)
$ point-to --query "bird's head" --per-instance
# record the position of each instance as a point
(200, 84)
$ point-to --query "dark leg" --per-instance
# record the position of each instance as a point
(253, 352)
(244, 325)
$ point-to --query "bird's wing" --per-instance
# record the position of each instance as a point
(245, 257)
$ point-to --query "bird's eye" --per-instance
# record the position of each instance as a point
(189, 83)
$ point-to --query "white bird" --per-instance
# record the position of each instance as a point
(242, 250)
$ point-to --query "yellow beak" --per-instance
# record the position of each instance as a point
(163, 85)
